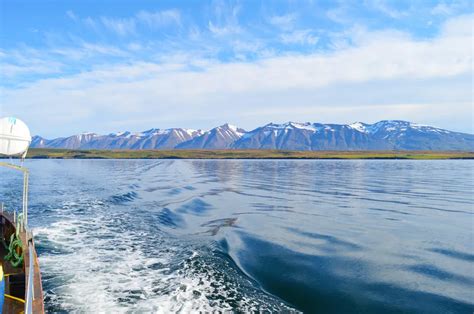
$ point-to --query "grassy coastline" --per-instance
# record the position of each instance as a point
(41, 153)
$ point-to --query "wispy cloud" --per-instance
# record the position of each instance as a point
(384, 7)
(224, 30)
(87, 50)
(285, 22)
(71, 15)
(26, 64)
(340, 14)
(225, 21)
(128, 25)
(91, 23)
(392, 67)
(122, 27)
(302, 37)
(449, 8)
(33, 68)
(329, 61)
(159, 18)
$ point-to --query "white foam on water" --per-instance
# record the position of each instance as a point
(94, 264)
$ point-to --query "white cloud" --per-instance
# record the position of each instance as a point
(71, 15)
(423, 79)
(225, 21)
(33, 68)
(134, 46)
(24, 60)
(91, 23)
(224, 30)
(459, 27)
(122, 27)
(94, 49)
(302, 37)
(159, 18)
(128, 25)
(384, 7)
(84, 50)
(451, 7)
(285, 22)
(441, 9)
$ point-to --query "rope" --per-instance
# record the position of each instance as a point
(12, 256)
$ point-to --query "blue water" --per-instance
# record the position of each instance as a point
(193, 235)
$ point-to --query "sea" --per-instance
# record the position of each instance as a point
(312, 236)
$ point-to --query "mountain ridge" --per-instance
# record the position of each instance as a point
(305, 136)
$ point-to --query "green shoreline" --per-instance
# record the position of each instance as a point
(41, 153)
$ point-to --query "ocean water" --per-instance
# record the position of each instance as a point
(314, 236)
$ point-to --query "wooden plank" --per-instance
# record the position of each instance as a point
(38, 303)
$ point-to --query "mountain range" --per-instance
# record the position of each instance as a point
(383, 135)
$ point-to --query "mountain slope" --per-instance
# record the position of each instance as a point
(150, 139)
(71, 142)
(403, 135)
(307, 136)
(383, 135)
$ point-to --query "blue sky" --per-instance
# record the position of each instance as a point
(105, 66)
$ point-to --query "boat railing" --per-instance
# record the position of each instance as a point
(20, 220)
(30, 294)
(24, 213)
(15, 139)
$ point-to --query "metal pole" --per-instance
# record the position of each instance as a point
(25, 198)
(30, 287)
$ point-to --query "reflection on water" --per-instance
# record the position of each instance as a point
(190, 235)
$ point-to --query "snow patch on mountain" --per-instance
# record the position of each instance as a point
(193, 132)
(291, 125)
(359, 126)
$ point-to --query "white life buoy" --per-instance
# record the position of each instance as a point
(15, 137)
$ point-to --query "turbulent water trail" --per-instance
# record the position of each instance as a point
(121, 261)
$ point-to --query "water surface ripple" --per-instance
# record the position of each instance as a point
(201, 235)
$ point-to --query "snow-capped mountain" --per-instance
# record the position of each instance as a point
(306, 136)
(221, 137)
(150, 139)
(383, 135)
(403, 135)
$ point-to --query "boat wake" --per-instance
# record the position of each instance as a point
(104, 263)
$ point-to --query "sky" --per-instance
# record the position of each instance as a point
(72, 66)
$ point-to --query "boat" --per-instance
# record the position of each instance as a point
(20, 286)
